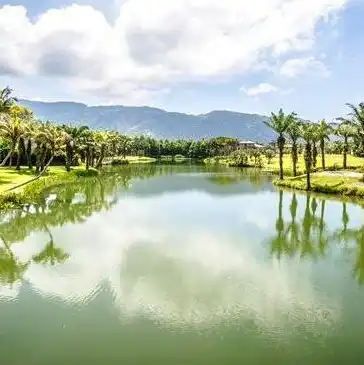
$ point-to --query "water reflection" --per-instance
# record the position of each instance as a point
(185, 246)
(310, 238)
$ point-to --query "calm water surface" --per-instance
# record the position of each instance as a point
(181, 265)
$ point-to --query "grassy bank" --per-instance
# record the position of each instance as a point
(9, 178)
(343, 183)
(55, 175)
(333, 163)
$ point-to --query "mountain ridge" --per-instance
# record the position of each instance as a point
(154, 121)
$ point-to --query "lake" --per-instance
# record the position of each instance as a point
(181, 265)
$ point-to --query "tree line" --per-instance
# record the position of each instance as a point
(26, 140)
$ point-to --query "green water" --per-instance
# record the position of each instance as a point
(181, 265)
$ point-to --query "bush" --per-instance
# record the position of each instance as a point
(86, 173)
(119, 162)
(239, 159)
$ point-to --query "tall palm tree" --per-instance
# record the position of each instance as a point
(356, 119)
(6, 100)
(53, 141)
(101, 138)
(11, 129)
(280, 123)
(315, 139)
(77, 135)
(324, 130)
(293, 133)
(308, 134)
(346, 130)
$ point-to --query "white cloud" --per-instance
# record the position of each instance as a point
(153, 43)
(263, 88)
(297, 66)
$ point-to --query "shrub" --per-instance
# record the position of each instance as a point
(119, 162)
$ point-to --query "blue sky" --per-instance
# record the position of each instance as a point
(189, 56)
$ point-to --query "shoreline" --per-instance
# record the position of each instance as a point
(339, 183)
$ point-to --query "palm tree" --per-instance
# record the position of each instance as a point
(11, 129)
(315, 139)
(294, 134)
(77, 135)
(101, 139)
(53, 141)
(6, 100)
(308, 134)
(323, 133)
(345, 130)
(356, 119)
(280, 124)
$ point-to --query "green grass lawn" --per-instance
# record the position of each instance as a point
(338, 183)
(9, 177)
(333, 162)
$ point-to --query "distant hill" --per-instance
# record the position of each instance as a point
(156, 122)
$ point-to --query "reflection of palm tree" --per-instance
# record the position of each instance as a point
(278, 244)
(51, 254)
(359, 262)
(293, 227)
(345, 218)
(307, 246)
(323, 240)
(11, 270)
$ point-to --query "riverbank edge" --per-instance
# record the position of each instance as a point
(340, 186)
(28, 194)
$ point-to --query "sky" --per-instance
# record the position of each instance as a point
(191, 56)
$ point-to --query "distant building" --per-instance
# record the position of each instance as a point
(249, 145)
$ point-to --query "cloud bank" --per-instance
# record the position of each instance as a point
(153, 43)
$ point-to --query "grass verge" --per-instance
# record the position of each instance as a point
(29, 193)
(347, 186)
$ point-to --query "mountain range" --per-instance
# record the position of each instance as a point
(155, 122)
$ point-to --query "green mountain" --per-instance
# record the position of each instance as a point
(156, 122)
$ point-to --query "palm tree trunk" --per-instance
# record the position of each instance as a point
(69, 155)
(34, 179)
(294, 157)
(314, 154)
(322, 147)
(87, 158)
(345, 152)
(29, 154)
(308, 162)
(101, 158)
(280, 143)
(21, 149)
(5, 160)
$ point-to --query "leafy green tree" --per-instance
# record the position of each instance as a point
(280, 123)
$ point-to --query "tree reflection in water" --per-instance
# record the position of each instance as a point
(309, 237)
